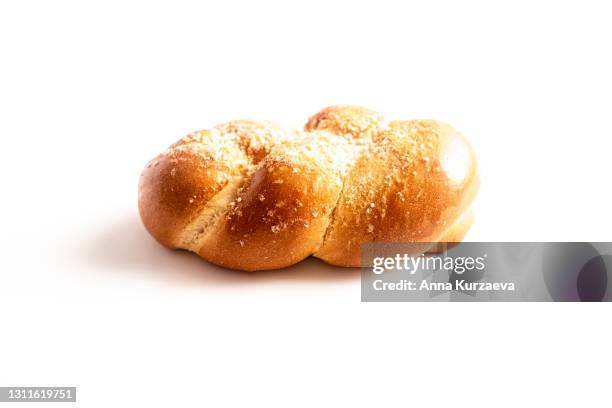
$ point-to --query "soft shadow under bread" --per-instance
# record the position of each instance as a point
(126, 248)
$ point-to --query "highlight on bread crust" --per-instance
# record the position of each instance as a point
(252, 195)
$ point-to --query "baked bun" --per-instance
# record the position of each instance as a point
(252, 195)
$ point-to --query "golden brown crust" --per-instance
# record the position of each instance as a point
(250, 195)
(345, 120)
(455, 233)
(277, 219)
(178, 183)
(402, 190)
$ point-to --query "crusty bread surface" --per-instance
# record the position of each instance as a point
(253, 195)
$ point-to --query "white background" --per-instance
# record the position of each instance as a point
(89, 92)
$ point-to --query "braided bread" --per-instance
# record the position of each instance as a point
(252, 195)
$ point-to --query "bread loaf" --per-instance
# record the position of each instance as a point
(252, 195)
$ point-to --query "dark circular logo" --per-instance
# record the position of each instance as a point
(575, 271)
(592, 280)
